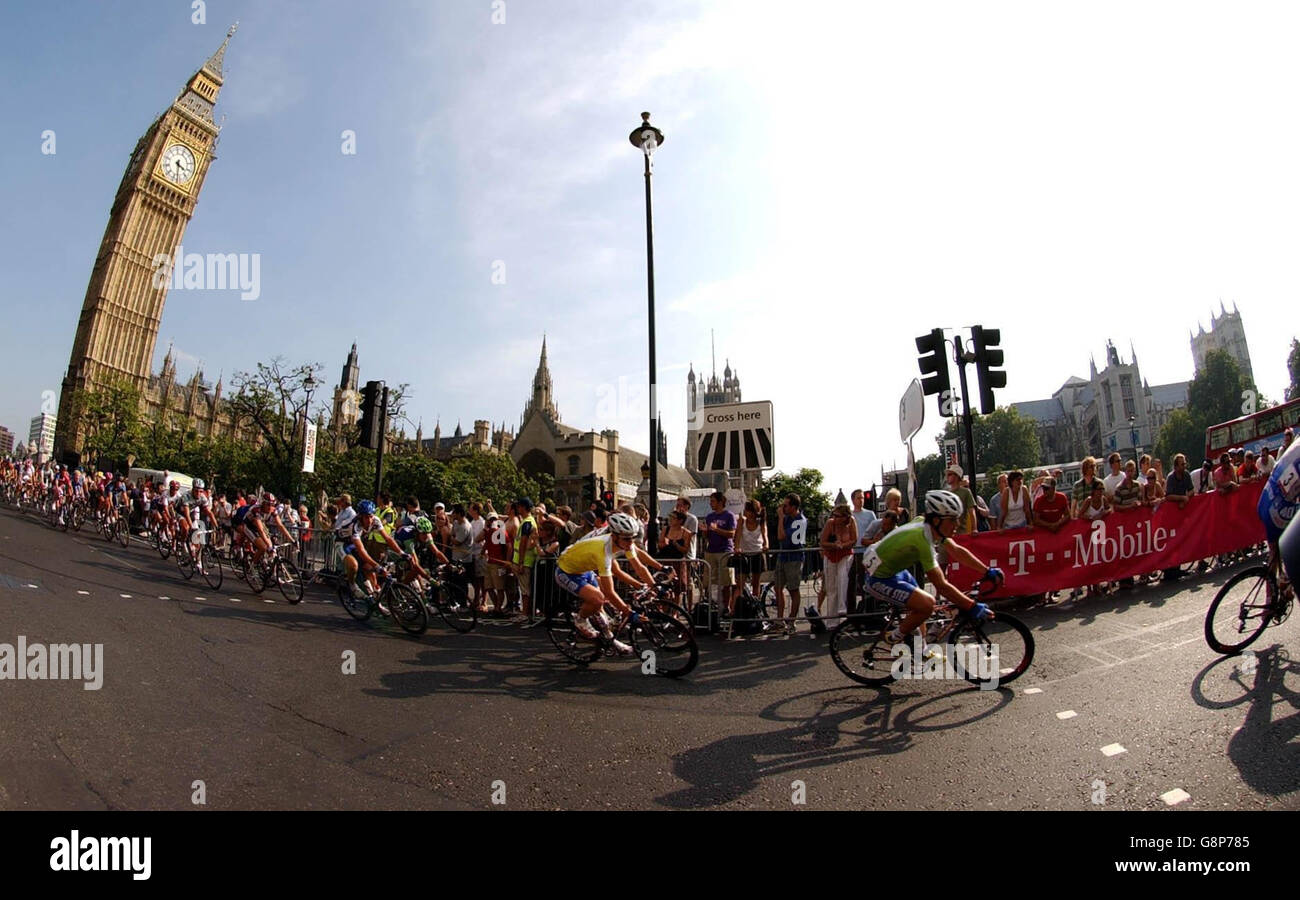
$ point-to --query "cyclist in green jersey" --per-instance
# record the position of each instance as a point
(888, 564)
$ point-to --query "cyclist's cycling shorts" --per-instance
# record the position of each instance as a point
(575, 583)
(896, 589)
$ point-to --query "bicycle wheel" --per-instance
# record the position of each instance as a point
(123, 533)
(997, 650)
(289, 578)
(75, 516)
(254, 574)
(185, 559)
(859, 650)
(673, 645)
(211, 568)
(1240, 611)
(406, 607)
(566, 638)
(163, 544)
(455, 607)
(358, 608)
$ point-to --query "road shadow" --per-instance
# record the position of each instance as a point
(1264, 749)
(828, 728)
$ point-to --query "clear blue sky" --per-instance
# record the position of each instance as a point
(836, 179)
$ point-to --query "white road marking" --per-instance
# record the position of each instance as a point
(1033, 690)
(125, 596)
(164, 598)
(268, 601)
(1067, 714)
(200, 598)
(35, 586)
(234, 600)
(1174, 797)
(1113, 750)
(84, 593)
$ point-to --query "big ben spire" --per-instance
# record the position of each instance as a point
(122, 307)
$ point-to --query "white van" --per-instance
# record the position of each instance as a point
(158, 476)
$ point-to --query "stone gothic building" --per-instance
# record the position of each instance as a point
(1226, 333)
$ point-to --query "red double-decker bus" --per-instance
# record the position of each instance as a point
(1253, 431)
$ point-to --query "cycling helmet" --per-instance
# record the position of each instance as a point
(423, 525)
(198, 484)
(366, 508)
(268, 497)
(624, 525)
(175, 484)
(943, 503)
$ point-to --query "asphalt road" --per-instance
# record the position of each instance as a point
(247, 695)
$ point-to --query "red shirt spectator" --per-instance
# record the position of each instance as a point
(1052, 508)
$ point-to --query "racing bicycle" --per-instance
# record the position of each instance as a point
(1247, 603)
(660, 642)
(997, 650)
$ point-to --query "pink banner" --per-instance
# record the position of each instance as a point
(1121, 545)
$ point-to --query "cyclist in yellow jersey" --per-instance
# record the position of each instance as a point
(586, 569)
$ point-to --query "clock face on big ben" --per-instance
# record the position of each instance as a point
(177, 164)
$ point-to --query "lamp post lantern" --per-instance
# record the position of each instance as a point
(309, 384)
(646, 138)
(1133, 436)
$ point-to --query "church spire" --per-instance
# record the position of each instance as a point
(215, 61)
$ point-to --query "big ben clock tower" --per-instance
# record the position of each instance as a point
(122, 308)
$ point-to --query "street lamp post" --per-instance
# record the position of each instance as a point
(309, 384)
(646, 138)
(1133, 437)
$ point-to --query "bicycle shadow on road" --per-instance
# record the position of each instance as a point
(829, 727)
(1263, 749)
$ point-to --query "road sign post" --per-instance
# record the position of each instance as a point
(734, 437)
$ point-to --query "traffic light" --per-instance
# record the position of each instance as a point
(607, 498)
(589, 489)
(372, 414)
(988, 359)
(869, 500)
(934, 367)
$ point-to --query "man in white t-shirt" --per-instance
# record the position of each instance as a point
(1116, 476)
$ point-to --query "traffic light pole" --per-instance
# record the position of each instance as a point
(383, 439)
(967, 422)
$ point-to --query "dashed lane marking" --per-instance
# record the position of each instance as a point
(1113, 749)
(1033, 690)
(1066, 714)
(84, 593)
(125, 596)
(1174, 797)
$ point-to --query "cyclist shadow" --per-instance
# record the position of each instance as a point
(1263, 749)
(466, 664)
(835, 728)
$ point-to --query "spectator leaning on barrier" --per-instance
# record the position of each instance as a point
(1159, 466)
(1225, 478)
(1287, 437)
(995, 503)
(1083, 487)
(1152, 493)
(1178, 487)
(1128, 494)
(1203, 478)
(1249, 469)
(888, 521)
(719, 531)
(1267, 460)
(1015, 502)
(792, 539)
(1116, 475)
(955, 476)
(837, 541)
(1051, 510)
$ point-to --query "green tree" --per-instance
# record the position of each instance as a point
(807, 483)
(1220, 391)
(1181, 434)
(110, 417)
(929, 473)
(272, 400)
(1003, 440)
(1293, 367)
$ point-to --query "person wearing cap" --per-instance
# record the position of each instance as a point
(955, 476)
(1052, 509)
(1225, 476)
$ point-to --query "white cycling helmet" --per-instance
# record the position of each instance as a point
(624, 525)
(943, 503)
(198, 484)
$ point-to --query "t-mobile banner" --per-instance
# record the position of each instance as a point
(1121, 545)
